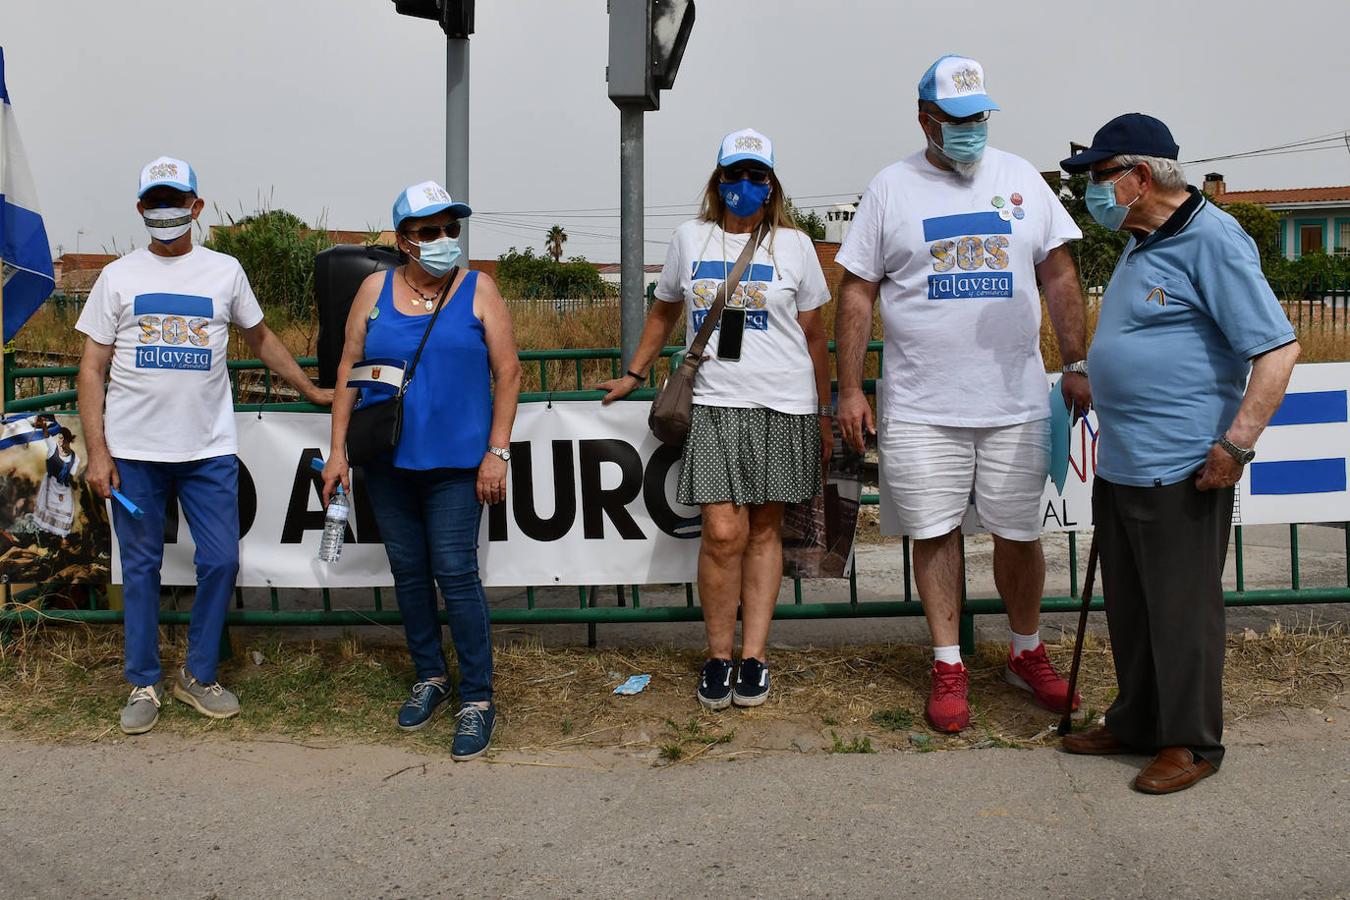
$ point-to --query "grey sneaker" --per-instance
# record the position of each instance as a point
(142, 709)
(208, 699)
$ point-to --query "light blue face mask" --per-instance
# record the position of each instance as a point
(439, 256)
(964, 143)
(1102, 205)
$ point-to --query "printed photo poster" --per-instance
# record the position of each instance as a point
(52, 526)
(818, 534)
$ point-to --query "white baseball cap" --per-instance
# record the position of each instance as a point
(745, 144)
(168, 172)
(956, 85)
(426, 199)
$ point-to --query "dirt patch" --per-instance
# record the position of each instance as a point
(65, 683)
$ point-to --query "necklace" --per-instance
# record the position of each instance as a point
(428, 303)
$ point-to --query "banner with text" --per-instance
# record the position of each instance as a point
(590, 500)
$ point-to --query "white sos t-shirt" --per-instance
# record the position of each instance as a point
(168, 318)
(960, 308)
(782, 279)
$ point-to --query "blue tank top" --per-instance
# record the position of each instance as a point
(447, 410)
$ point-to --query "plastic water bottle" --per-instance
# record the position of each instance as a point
(334, 527)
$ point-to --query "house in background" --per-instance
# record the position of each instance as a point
(1311, 219)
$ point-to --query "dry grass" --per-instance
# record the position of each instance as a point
(64, 683)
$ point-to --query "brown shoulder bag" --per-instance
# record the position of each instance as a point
(674, 404)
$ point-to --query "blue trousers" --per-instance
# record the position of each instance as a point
(208, 490)
(429, 522)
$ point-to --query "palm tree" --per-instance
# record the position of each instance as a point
(553, 242)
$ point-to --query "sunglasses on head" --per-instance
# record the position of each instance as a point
(425, 233)
(753, 173)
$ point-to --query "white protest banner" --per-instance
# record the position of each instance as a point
(590, 500)
(1299, 474)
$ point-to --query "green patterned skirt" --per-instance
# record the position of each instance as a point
(750, 456)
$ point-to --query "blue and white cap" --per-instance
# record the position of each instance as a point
(426, 199)
(745, 144)
(168, 172)
(956, 85)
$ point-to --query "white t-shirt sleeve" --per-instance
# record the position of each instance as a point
(669, 286)
(244, 309)
(98, 319)
(864, 250)
(1060, 228)
(813, 292)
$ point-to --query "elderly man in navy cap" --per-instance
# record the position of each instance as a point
(953, 239)
(1186, 318)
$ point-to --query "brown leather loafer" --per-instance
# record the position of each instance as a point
(1173, 769)
(1095, 742)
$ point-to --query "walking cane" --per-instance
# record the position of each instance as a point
(1064, 724)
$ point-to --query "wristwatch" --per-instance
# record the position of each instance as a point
(825, 410)
(1242, 456)
(503, 452)
(1076, 368)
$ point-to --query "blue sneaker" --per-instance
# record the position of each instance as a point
(418, 709)
(474, 732)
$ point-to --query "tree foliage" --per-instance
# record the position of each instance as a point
(528, 276)
(276, 249)
(809, 222)
(553, 242)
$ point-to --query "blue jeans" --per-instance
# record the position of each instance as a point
(208, 490)
(429, 522)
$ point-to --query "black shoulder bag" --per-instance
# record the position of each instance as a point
(373, 431)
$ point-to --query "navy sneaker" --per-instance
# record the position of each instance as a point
(714, 684)
(474, 732)
(752, 683)
(418, 709)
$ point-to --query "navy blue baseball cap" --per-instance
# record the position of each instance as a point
(1133, 134)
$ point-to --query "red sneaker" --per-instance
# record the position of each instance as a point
(1032, 671)
(947, 706)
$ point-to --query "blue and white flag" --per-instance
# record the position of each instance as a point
(28, 277)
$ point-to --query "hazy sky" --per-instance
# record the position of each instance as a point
(329, 107)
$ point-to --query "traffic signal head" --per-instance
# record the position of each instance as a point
(646, 43)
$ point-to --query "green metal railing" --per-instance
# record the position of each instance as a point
(549, 605)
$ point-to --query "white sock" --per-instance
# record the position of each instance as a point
(1023, 642)
(949, 655)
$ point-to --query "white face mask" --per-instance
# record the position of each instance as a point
(167, 225)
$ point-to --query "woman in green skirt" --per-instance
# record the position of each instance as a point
(760, 434)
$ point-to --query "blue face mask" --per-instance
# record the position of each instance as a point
(964, 143)
(744, 197)
(439, 256)
(1102, 205)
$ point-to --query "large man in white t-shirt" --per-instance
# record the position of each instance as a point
(954, 239)
(159, 319)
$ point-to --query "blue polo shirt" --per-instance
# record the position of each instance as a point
(1185, 312)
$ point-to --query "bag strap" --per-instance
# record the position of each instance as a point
(700, 342)
(440, 303)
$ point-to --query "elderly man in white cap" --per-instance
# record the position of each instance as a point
(159, 318)
(954, 239)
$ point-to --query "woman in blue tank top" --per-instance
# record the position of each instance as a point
(428, 493)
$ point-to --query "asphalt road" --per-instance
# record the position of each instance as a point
(162, 816)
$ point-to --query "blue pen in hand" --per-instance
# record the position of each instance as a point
(135, 511)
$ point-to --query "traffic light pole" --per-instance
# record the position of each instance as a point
(457, 128)
(632, 300)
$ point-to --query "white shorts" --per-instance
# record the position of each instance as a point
(933, 470)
